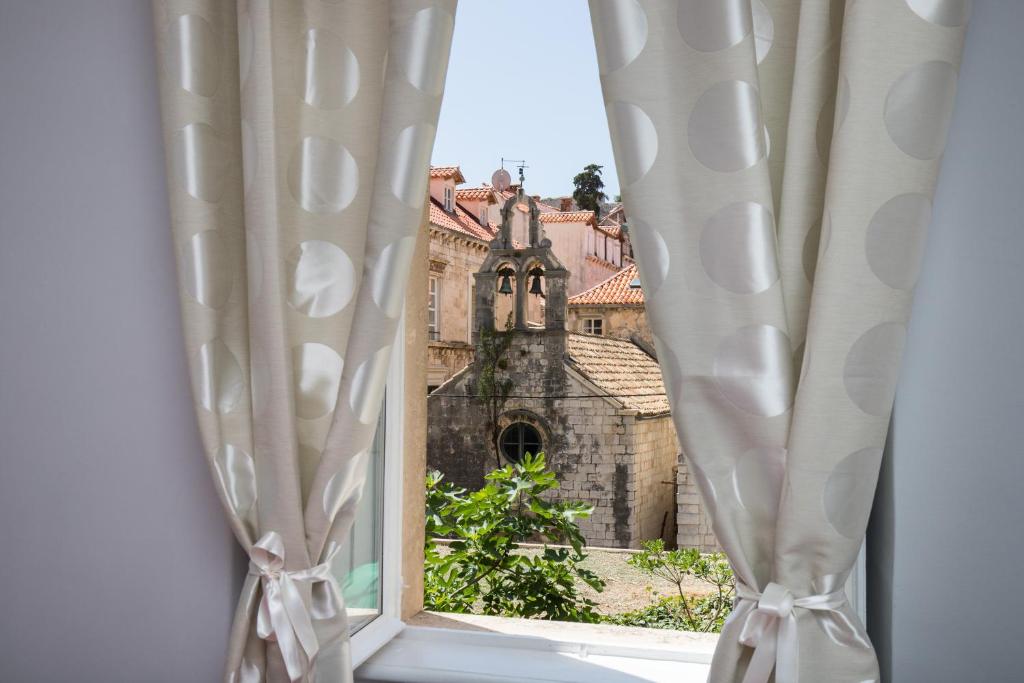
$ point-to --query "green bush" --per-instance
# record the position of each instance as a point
(683, 612)
(478, 569)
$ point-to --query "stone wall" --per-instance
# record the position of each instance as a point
(621, 322)
(444, 359)
(602, 454)
(694, 525)
(655, 461)
(453, 260)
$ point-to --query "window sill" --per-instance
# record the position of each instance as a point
(450, 648)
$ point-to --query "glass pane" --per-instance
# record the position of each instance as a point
(358, 565)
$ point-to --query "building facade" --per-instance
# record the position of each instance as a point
(608, 448)
(615, 308)
(595, 405)
(462, 223)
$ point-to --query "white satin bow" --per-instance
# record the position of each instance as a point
(283, 615)
(770, 628)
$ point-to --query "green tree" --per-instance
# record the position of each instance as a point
(493, 386)
(589, 192)
(479, 569)
(683, 612)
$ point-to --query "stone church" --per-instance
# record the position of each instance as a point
(595, 405)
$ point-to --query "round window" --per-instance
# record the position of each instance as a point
(518, 439)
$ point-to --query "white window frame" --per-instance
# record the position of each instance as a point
(434, 304)
(591, 319)
(418, 654)
(380, 630)
(449, 198)
(471, 297)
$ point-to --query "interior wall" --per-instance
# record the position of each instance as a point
(115, 560)
(945, 550)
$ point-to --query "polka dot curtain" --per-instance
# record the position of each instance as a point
(777, 161)
(298, 138)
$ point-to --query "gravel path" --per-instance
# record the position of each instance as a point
(626, 588)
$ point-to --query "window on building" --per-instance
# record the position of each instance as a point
(483, 215)
(593, 325)
(518, 439)
(449, 198)
(433, 310)
(471, 313)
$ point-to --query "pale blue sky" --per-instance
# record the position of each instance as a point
(541, 51)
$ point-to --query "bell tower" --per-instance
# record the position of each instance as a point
(533, 267)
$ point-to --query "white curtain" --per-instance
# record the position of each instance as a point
(777, 161)
(298, 139)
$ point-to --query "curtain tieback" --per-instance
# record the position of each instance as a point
(770, 628)
(283, 615)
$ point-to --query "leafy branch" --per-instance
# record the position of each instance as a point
(478, 569)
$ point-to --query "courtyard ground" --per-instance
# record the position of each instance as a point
(626, 588)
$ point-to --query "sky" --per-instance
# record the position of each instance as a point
(542, 53)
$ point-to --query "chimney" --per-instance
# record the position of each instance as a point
(566, 204)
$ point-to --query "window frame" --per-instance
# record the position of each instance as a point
(521, 426)
(385, 626)
(471, 308)
(434, 307)
(396, 652)
(588, 321)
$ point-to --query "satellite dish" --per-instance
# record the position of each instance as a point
(501, 180)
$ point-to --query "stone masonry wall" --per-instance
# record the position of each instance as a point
(694, 524)
(655, 473)
(620, 322)
(601, 453)
(444, 359)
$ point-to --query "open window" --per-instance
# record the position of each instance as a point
(589, 381)
(370, 569)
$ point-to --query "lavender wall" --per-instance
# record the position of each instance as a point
(944, 546)
(115, 561)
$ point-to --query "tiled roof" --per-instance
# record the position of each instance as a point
(447, 172)
(622, 369)
(614, 290)
(461, 221)
(557, 216)
(505, 195)
(613, 229)
(474, 193)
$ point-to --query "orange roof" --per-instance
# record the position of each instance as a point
(460, 221)
(447, 172)
(475, 193)
(613, 229)
(568, 217)
(613, 291)
(505, 195)
(620, 368)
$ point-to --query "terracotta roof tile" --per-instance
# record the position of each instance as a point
(447, 172)
(505, 195)
(557, 216)
(622, 369)
(613, 229)
(461, 221)
(614, 290)
(475, 193)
